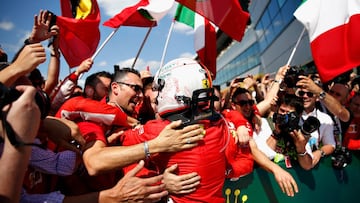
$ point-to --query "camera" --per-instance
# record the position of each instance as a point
(290, 121)
(52, 20)
(341, 157)
(292, 76)
(237, 80)
(9, 95)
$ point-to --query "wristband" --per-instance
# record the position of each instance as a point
(278, 81)
(27, 42)
(146, 150)
(302, 154)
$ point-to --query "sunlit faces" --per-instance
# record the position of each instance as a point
(285, 109)
(244, 104)
(127, 92)
(308, 97)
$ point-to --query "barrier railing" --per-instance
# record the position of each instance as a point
(321, 184)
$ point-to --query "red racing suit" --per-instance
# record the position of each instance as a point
(207, 159)
(239, 159)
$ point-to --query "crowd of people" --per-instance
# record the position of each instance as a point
(129, 136)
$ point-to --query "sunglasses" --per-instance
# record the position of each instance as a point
(302, 93)
(136, 88)
(244, 102)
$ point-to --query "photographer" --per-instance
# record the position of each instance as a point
(14, 159)
(287, 138)
(322, 140)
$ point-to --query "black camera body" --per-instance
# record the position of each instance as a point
(9, 95)
(292, 76)
(341, 157)
(290, 121)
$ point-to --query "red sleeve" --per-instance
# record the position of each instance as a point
(234, 116)
(256, 110)
(92, 110)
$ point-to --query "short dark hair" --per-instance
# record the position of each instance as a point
(238, 91)
(93, 79)
(293, 101)
(121, 73)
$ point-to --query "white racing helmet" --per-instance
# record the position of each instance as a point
(176, 81)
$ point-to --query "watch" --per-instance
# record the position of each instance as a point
(322, 95)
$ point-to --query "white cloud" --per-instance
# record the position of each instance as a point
(182, 28)
(102, 64)
(6, 25)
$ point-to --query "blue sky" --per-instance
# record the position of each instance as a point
(17, 17)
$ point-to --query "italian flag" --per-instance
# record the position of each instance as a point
(204, 36)
(334, 32)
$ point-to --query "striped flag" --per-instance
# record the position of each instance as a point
(79, 30)
(204, 36)
(334, 30)
(145, 13)
(226, 14)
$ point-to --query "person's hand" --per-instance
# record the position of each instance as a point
(249, 82)
(114, 136)
(63, 132)
(317, 157)
(285, 181)
(299, 140)
(308, 84)
(281, 72)
(29, 58)
(243, 135)
(55, 41)
(85, 66)
(133, 189)
(40, 31)
(180, 184)
(171, 139)
(266, 80)
(24, 115)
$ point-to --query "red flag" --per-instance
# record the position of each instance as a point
(207, 50)
(226, 14)
(79, 30)
(135, 15)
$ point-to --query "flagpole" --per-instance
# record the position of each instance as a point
(296, 45)
(103, 44)
(142, 45)
(166, 43)
(101, 47)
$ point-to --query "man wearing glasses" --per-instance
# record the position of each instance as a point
(322, 140)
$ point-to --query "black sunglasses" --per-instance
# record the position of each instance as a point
(302, 93)
(136, 88)
(244, 102)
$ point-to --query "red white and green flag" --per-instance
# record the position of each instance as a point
(334, 30)
(225, 14)
(204, 36)
(145, 13)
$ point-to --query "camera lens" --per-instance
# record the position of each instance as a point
(310, 125)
